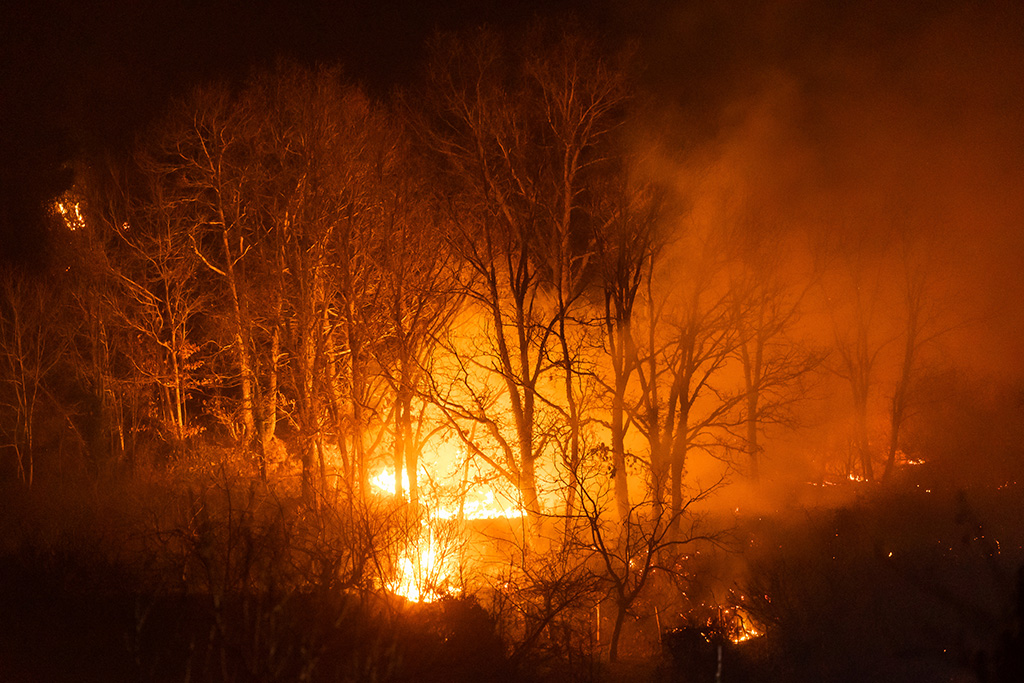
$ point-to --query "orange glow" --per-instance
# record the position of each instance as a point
(71, 212)
(426, 571)
(476, 504)
(428, 567)
(741, 625)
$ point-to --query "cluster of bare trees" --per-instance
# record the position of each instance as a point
(307, 272)
(246, 256)
(292, 274)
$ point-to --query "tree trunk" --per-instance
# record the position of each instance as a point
(613, 647)
(863, 444)
(528, 488)
(398, 458)
(355, 404)
(680, 447)
(307, 412)
(619, 450)
(337, 402)
(405, 455)
(899, 399)
(268, 422)
(572, 462)
(245, 369)
(752, 445)
(752, 379)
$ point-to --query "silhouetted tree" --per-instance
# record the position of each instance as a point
(518, 129)
(768, 305)
(625, 245)
(691, 335)
(31, 347)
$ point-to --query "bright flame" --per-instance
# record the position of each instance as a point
(475, 504)
(484, 506)
(385, 481)
(743, 627)
(422, 576)
(71, 212)
(428, 564)
(747, 632)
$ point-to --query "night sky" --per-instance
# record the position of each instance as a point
(85, 78)
(821, 112)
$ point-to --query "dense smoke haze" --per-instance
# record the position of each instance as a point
(489, 341)
(866, 119)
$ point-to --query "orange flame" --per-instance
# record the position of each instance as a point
(428, 564)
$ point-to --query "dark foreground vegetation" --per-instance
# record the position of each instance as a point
(122, 580)
(200, 576)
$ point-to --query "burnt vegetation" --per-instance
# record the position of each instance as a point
(465, 384)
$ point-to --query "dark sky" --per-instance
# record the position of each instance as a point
(858, 110)
(85, 77)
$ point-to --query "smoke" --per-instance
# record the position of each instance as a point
(869, 122)
(867, 128)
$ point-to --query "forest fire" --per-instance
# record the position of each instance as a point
(426, 570)
(742, 626)
(428, 567)
(447, 502)
(529, 362)
(71, 213)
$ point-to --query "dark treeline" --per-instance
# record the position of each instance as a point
(287, 287)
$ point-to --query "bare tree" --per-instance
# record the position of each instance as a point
(691, 335)
(859, 335)
(923, 325)
(278, 181)
(625, 247)
(327, 204)
(205, 151)
(625, 555)
(859, 355)
(518, 132)
(423, 293)
(157, 297)
(768, 307)
(880, 296)
(30, 350)
(111, 412)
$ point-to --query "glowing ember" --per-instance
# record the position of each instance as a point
(71, 212)
(746, 633)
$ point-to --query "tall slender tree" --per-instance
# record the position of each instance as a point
(625, 246)
(518, 131)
